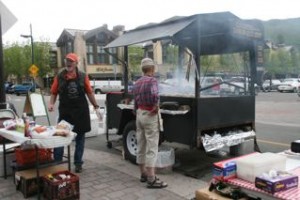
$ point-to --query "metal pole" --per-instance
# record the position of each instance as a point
(32, 49)
(2, 92)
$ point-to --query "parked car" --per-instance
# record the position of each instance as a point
(298, 91)
(8, 86)
(289, 85)
(24, 88)
(237, 85)
(106, 86)
(267, 86)
(210, 85)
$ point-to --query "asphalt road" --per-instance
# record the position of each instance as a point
(277, 120)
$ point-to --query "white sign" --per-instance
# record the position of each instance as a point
(38, 106)
(7, 18)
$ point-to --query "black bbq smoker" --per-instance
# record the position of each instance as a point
(211, 111)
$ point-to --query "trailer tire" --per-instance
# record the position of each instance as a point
(130, 142)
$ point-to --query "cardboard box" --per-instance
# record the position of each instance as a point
(224, 170)
(26, 180)
(62, 185)
(282, 182)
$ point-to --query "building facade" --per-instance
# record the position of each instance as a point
(97, 62)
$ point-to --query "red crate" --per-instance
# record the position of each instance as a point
(56, 188)
(28, 156)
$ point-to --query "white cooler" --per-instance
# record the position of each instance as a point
(248, 167)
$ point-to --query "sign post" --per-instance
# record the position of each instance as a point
(35, 103)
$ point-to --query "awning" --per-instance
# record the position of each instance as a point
(205, 34)
(149, 33)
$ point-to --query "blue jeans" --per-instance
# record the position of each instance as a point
(79, 150)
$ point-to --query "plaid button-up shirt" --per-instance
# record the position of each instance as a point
(145, 92)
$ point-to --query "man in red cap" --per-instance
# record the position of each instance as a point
(72, 85)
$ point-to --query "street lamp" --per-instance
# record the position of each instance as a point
(32, 49)
(31, 40)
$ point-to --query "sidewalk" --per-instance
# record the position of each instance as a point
(106, 176)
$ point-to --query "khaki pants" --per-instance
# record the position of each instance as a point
(147, 128)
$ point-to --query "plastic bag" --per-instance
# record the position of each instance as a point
(64, 125)
(99, 114)
(10, 124)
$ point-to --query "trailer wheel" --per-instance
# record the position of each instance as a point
(130, 142)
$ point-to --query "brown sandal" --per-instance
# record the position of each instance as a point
(156, 184)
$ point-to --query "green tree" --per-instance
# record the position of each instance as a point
(18, 59)
(284, 61)
(135, 55)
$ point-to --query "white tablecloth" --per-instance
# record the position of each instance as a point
(50, 142)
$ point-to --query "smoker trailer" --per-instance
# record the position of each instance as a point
(207, 122)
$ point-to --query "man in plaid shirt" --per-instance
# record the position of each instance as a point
(146, 104)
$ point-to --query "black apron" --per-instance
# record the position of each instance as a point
(73, 106)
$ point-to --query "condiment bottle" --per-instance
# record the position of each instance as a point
(26, 125)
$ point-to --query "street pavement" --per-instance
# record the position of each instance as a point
(107, 176)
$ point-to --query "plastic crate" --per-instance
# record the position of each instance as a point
(57, 188)
(28, 156)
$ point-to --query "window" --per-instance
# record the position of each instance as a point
(102, 56)
(169, 53)
(90, 54)
(113, 56)
(69, 47)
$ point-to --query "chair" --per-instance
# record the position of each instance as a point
(6, 114)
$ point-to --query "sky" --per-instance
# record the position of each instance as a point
(50, 17)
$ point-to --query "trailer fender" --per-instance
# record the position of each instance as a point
(126, 116)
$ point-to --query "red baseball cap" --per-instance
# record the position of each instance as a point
(72, 56)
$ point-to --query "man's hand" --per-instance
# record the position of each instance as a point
(154, 110)
(50, 107)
